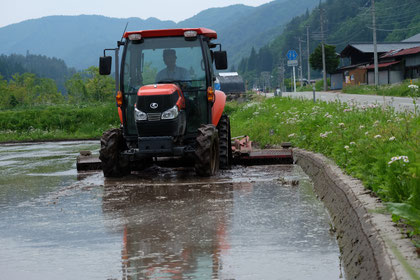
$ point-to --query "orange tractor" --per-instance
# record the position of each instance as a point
(167, 103)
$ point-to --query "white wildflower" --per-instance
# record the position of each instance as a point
(346, 147)
(397, 158)
(352, 143)
(377, 136)
(361, 127)
(392, 138)
(291, 135)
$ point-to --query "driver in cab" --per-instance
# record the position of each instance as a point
(171, 72)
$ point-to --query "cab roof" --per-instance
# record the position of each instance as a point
(173, 32)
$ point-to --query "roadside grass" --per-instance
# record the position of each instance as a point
(401, 90)
(57, 122)
(378, 146)
(319, 86)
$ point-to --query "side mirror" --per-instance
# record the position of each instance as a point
(220, 59)
(105, 63)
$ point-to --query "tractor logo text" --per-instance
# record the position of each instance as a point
(154, 105)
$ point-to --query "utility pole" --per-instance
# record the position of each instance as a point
(300, 63)
(324, 68)
(375, 47)
(307, 50)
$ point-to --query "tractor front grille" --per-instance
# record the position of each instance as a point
(153, 117)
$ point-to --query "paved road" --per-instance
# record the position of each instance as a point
(399, 103)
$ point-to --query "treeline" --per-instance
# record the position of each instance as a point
(29, 90)
(344, 22)
(40, 65)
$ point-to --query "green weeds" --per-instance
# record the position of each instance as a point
(57, 122)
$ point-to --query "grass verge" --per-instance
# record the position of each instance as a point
(404, 89)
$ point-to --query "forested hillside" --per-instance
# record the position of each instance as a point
(42, 66)
(344, 22)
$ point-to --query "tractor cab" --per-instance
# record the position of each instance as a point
(166, 101)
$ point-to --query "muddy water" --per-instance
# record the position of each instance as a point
(260, 222)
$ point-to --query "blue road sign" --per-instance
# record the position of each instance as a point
(292, 55)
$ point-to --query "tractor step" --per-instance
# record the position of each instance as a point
(88, 162)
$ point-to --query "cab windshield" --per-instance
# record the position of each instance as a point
(166, 60)
(163, 60)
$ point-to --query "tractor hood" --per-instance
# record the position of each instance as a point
(159, 98)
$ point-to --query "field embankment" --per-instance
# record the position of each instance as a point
(57, 122)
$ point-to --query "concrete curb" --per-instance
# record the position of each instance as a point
(371, 245)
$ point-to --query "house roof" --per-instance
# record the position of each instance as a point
(382, 65)
(354, 66)
(399, 52)
(415, 38)
(381, 47)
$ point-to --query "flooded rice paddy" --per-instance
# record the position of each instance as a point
(258, 222)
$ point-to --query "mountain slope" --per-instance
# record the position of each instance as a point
(80, 40)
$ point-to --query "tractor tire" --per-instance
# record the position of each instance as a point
(207, 151)
(225, 145)
(112, 144)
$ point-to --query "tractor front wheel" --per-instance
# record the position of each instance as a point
(112, 144)
(207, 151)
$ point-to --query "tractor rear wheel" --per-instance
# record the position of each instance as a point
(207, 151)
(225, 145)
(112, 144)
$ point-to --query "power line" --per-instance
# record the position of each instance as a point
(396, 29)
(396, 8)
(348, 38)
(407, 15)
(394, 23)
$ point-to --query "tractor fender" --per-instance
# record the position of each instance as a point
(218, 106)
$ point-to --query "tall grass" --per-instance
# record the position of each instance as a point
(402, 89)
(57, 122)
(379, 147)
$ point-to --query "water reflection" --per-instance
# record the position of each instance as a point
(170, 232)
(188, 229)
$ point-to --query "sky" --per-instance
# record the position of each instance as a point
(14, 11)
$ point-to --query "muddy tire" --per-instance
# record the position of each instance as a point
(207, 151)
(112, 144)
(225, 145)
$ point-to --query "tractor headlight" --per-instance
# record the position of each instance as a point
(170, 114)
(139, 115)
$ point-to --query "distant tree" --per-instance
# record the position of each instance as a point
(76, 89)
(331, 59)
(242, 65)
(252, 60)
(99, 88)
(265, 60)
(47, 93)
(88, 86)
